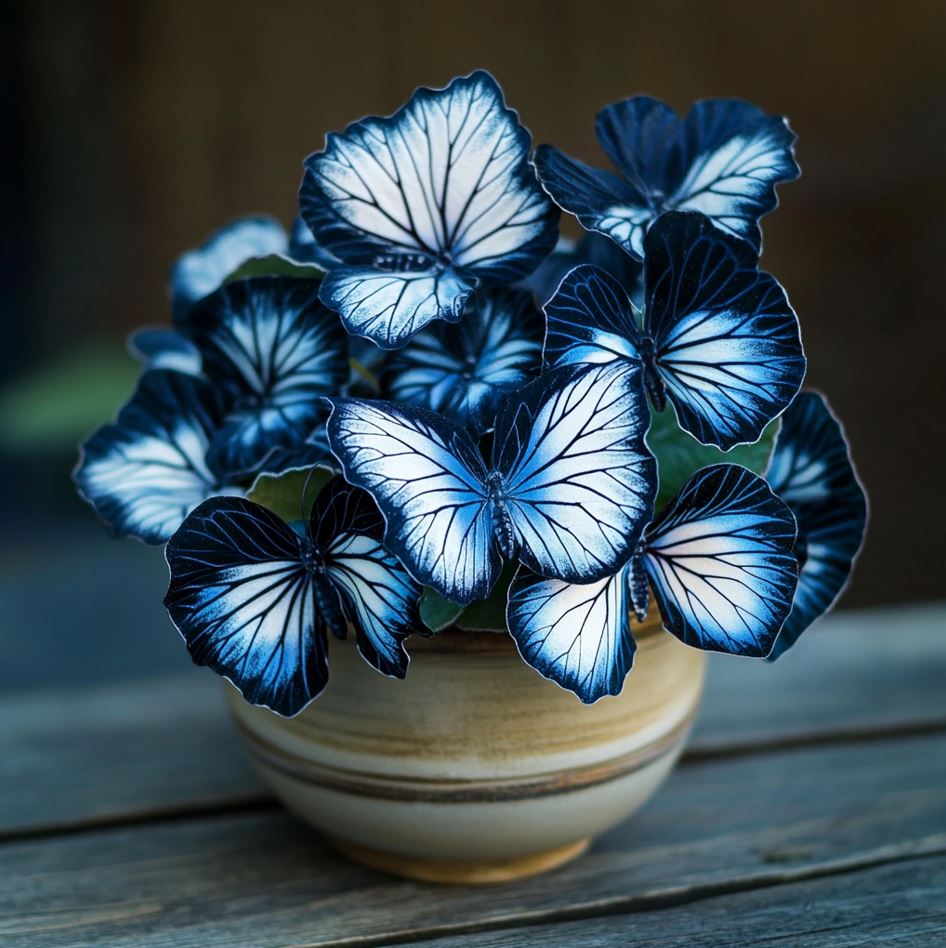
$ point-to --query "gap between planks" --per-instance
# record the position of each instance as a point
(835, 812)
(698, 753)
(670, 898)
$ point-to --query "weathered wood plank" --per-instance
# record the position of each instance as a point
(118, 752)
(260, 879)
(164, 746)
(898, 904)
(856, 672)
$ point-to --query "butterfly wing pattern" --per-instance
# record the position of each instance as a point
(577, 635)
(253, 598)
(570, 480)
(578, 481)
(590, 319)
(718, 337)
(723, 160)
(245, 604)
(811, 470)
(421, 205)
(719, 560)
(728, 346)
(429, 481)
(275, 349)
(378, 596)
(466, 370)
(146, 470)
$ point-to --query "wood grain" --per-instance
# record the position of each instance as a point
(720, 825)
(98, 755)
(898, 904)
(87, 757)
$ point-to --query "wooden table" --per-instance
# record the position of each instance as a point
(809, 809)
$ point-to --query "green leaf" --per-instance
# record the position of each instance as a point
(679, 455)
(489, 614)
(486, 615)
(282, 493)
(365, 374)
(276, 265)
(437, 611)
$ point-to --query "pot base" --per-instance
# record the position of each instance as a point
(450, 872)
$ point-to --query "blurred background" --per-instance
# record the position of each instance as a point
(134, 129)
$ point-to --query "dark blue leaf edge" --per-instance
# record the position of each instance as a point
(769, 206)
(778, 652)
(335, 484)
(523, 138)
(524, 573)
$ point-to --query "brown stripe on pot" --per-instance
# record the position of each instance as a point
(461, 791)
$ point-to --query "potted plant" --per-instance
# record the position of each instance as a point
(424, 436)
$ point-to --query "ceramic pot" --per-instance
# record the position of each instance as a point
(474, 768)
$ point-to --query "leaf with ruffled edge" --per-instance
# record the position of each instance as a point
(422, 205)
(723, 159)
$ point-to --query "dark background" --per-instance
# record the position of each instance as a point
(133, 129)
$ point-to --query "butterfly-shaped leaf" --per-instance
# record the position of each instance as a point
(723, 160)
(274, 349)
(253, 598)
(200, 271)
(811, 470)
(464, 370)
(578, 636)
(421, 205)
(717, 337)
(144, 472)
(719, 560)
(569, 486)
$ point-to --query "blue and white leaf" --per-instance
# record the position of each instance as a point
(200, 271)
(388, 307)
(717, 337)
(160, 348)
(429, 480)
(275, 350)
(304, 248)
(721, 564)
(811, 470)
(466, 370)
(724, 159)
(422, 204)
(578, 636)
(570, 486)
(577, 482)
(593, 248)
(144, 472)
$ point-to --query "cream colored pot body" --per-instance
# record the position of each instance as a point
(474, 768)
